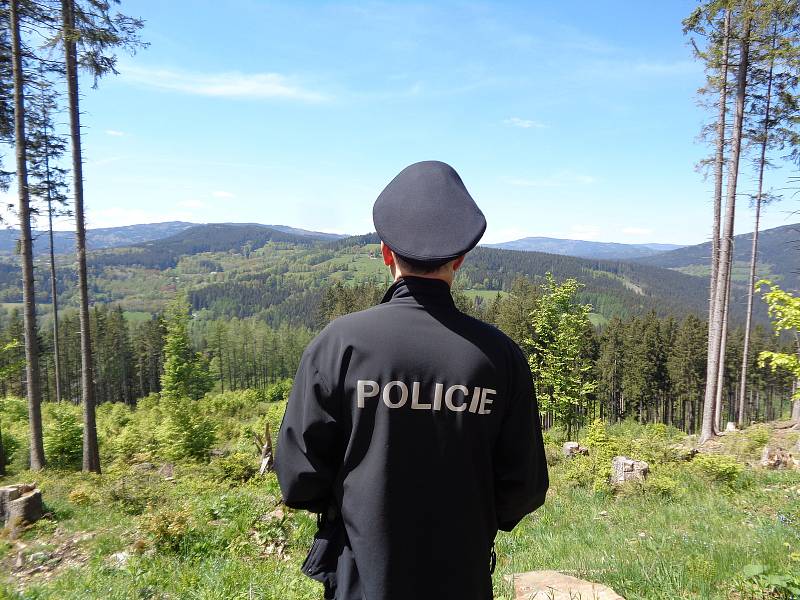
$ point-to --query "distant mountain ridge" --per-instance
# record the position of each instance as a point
(584, 248)
(129, 235)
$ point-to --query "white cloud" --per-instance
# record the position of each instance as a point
(637, 231)
(114, 133)
(554, 180)
(223, 194)
(232, 84)
(524, 123)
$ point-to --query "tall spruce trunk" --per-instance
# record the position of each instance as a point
(762, 162)
(54, 295)
(719, 168)
(725, 253)
(32, 371)
(53, 286)
(91, 454)
(722, 349)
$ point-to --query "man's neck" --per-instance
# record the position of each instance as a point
(398, 274)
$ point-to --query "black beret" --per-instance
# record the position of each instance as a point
(426, 214)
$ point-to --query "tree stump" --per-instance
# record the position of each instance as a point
(552, 585)
(777, 458)
(570, 449)
(21, 503)
(264, 446)
(624, 469)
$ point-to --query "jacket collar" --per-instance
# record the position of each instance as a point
(421, 290)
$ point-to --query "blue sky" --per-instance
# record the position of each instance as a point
(564, 119)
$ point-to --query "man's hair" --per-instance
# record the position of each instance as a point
(409, 265)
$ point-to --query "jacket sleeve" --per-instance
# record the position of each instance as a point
(310, 443)
(521, 478)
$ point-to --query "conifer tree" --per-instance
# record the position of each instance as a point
(90, 34)
(774, 117)
(47, 182)
(37, 458)
(610, 368)
(186, 374)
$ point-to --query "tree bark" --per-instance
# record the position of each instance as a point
(719, 167)
(725, 254)
(754, 252)
(722, 350)
(91, 454)
(26, 242)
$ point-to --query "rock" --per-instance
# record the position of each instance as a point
(570, 449)
(38, 557)
(276, 515)
(552, 585)
(731, 426)
(777, 458)
(20, 503)
(13, 492)
(120, 559)
(167, 471)
(625, 469)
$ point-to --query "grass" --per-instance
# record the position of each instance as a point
(204, 534)
(740, 271)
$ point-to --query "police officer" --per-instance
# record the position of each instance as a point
(412, 428)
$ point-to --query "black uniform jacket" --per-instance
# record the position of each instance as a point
(419, 425)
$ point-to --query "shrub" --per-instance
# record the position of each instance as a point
(757, 437)
(134, 439)
(662, 485)
(14, 409)
(231, 403)
(278, 391)
(553, 455)
(166, 529)
(10, 447)
(63, 437)
(185, 432)
(134, 492)
(720, 468)
(82, 496)
(112, 417)
(238, 466)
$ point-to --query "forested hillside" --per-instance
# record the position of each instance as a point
(127, 235)
(250, 270)
(101, 237)
(778, 256)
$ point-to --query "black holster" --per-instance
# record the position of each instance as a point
(330, 559)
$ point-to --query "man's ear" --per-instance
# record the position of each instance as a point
(458, 262)
(388, 257)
